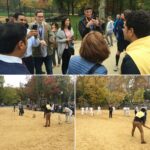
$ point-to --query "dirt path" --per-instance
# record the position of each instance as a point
(27, 133)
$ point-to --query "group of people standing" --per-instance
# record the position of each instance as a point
(41, 42)
(131, 29)
(49, 109)
(132, 32)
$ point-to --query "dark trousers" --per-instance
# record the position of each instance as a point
(139, 126)
(65, 60)
(110, 114)
(38, 61)
(28, 61)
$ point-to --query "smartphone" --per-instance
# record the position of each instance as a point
(34, 27)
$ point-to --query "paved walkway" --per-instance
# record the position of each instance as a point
(109, 63)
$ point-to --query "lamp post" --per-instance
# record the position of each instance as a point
(60, 100)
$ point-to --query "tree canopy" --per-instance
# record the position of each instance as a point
(94, 91)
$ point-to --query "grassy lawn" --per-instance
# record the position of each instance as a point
(75, 21)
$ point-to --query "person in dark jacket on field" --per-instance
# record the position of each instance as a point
(139, 121)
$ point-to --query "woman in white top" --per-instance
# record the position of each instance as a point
(65, 41)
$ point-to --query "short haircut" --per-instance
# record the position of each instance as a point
(39, 11)
(10, 35)
(55, 24)
(17, 14)
(140, 22)
(109, 17)
(63, 23)
(143, 109)
(94, 47)
(127, 12)
(88, 7)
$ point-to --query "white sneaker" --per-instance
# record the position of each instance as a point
(116, 68)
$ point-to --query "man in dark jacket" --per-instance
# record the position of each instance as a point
(138, 122)
(89, 22)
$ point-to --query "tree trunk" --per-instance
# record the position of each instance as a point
(72, 7)
(7, 7)
(101, 8)
(68, 8)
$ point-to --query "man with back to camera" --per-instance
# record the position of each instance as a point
(137, 31)
(88, 22)
(13, 44)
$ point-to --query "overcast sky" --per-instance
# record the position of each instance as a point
(15, 80)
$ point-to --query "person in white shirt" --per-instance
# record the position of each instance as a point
(68, 113)
(109, 31)
(33, 41)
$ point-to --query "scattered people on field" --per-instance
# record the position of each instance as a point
(137, 31)
(65, 41)
(99, 110)
(68, 113)
(89, 22)
(48, 115)
(93, 52)
(59, 114)
(82, 111)
(110, 111)
(126, 111)
(14, 107)
(21, 110)
(138, 122)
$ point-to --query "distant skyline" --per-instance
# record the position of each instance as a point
(15, 80)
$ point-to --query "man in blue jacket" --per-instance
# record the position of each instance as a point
(13, 44)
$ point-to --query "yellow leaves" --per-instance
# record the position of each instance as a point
(36, 3)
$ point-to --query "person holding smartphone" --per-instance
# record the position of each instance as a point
(89, 22)
(32, 39)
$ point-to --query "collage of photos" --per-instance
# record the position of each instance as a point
(74, 74)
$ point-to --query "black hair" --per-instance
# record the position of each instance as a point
(126, 13)
(63, 23)
(7, 20)
(10, 35)
(88, 7)
(39, 11)
(56, 24)
(17, 14)
(143, 110)
(140, 22)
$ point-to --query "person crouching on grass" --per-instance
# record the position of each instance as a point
(138, 122)
(47, 114)
(68, 113)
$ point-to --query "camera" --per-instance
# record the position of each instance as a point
(34, 27)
